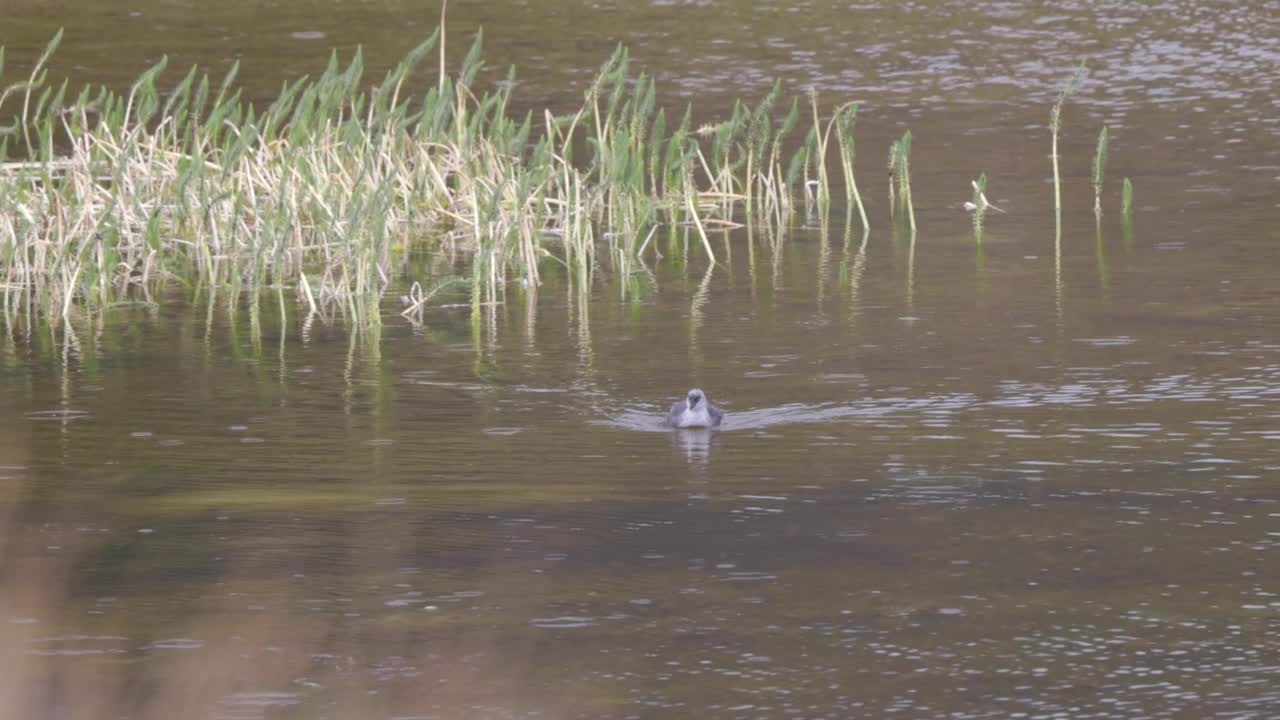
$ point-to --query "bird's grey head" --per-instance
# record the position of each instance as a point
(695, 397)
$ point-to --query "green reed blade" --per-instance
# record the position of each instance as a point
(472, 62)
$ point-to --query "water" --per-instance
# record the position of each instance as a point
(951, 483)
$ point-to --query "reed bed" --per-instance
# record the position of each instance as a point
(323, 195)
(106, 196)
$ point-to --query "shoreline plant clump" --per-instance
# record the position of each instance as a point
(324, 190)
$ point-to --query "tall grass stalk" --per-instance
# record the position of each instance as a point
(819, 157)
(900, 166)
(444, 16)
(1055, 128)
(980, 205)
(844, 120)
(1126, 212)
(892, 166)
(1099, 171)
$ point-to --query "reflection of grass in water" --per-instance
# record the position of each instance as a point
(1103, 262)
(1126, 210)
(384, 615)
(852, 267)
(176, 633)
(467, 496)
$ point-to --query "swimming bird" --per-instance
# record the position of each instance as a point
(694, 411)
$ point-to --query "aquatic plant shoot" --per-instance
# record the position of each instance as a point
(1099, 171)
(1055, 129)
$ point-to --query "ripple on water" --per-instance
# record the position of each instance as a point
(650, 420)
(78, 645)
(503, 430)
(59, 414)
(563, 622)
(175, 644)
(263, 699)
(746, 576)
(1108, 341)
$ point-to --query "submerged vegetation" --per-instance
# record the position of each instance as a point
(106, 197)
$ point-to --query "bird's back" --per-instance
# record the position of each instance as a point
(716, 415)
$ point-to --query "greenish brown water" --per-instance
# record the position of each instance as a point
(952, 483)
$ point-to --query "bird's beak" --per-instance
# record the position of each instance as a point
(693, 401)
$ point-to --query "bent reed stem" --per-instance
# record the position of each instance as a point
(1055, 128)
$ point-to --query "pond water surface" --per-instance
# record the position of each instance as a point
(953, 482)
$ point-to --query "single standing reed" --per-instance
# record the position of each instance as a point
(1099, 171)
(845, 118)
(1055, 128)
(1126, 212)
(900, 176)
(979, 207)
